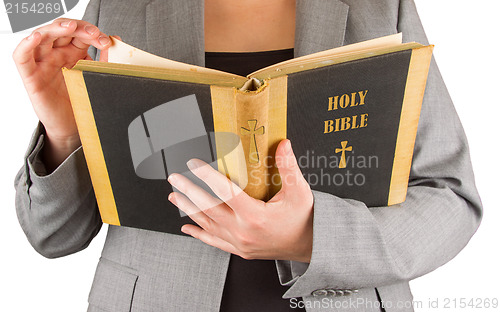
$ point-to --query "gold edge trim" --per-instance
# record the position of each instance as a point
(224, 80)
(277, 124)
(92, 149)
(410, 113)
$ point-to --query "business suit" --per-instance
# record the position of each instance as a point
(376, 251)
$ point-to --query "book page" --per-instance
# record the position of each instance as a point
(123, 53)
(387, 41)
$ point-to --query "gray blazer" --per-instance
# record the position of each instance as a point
(376, 251)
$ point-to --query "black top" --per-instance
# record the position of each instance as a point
(251, 285)
(244, 63)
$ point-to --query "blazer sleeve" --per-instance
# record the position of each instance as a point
(57, 211)
(356, 247)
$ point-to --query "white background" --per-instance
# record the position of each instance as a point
(466, 37)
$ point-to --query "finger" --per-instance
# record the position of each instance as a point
(187, 206)
(101, 42)
(204, 201)
(224, 188)
(206, 221)
(64, 27)
(103, 57)
(291, 177)
(198, 216)
(65, 31)
(84, 36)
(51, 33)
(62, 42)
(208, 238)
(23, 54)
(83, 29)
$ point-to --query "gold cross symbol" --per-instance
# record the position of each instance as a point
(253, 154)
(343, 150)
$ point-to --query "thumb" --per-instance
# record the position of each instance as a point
(291, 176)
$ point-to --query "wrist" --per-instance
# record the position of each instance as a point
(304, 253)
(302, 248)
(57, 148)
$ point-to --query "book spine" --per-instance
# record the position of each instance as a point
(252, 117)
(259, 119)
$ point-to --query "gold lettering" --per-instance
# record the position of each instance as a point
(362, 95)
(364, 121)
(353, 99)
(346, 123)
(333, 103)
(354, 125)
(344, 101)
(328, 126)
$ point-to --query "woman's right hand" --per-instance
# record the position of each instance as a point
(39, 59)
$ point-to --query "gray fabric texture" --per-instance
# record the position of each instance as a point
(376, 250)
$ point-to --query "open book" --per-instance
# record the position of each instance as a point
(350, 112)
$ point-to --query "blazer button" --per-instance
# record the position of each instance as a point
(331, 292)
(319, 292)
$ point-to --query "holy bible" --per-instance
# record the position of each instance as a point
(351, 114)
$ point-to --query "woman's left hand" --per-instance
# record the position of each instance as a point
(280, 229)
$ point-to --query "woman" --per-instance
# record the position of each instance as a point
(332, 247)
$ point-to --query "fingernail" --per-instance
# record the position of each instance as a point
(194, 163)
(172, 178)
(90, 29)
(31, 36)
(103, 40)
(65, 24)
(183, 230)
(171, 197)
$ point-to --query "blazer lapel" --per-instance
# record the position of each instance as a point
(319, 25)
(175, 30)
